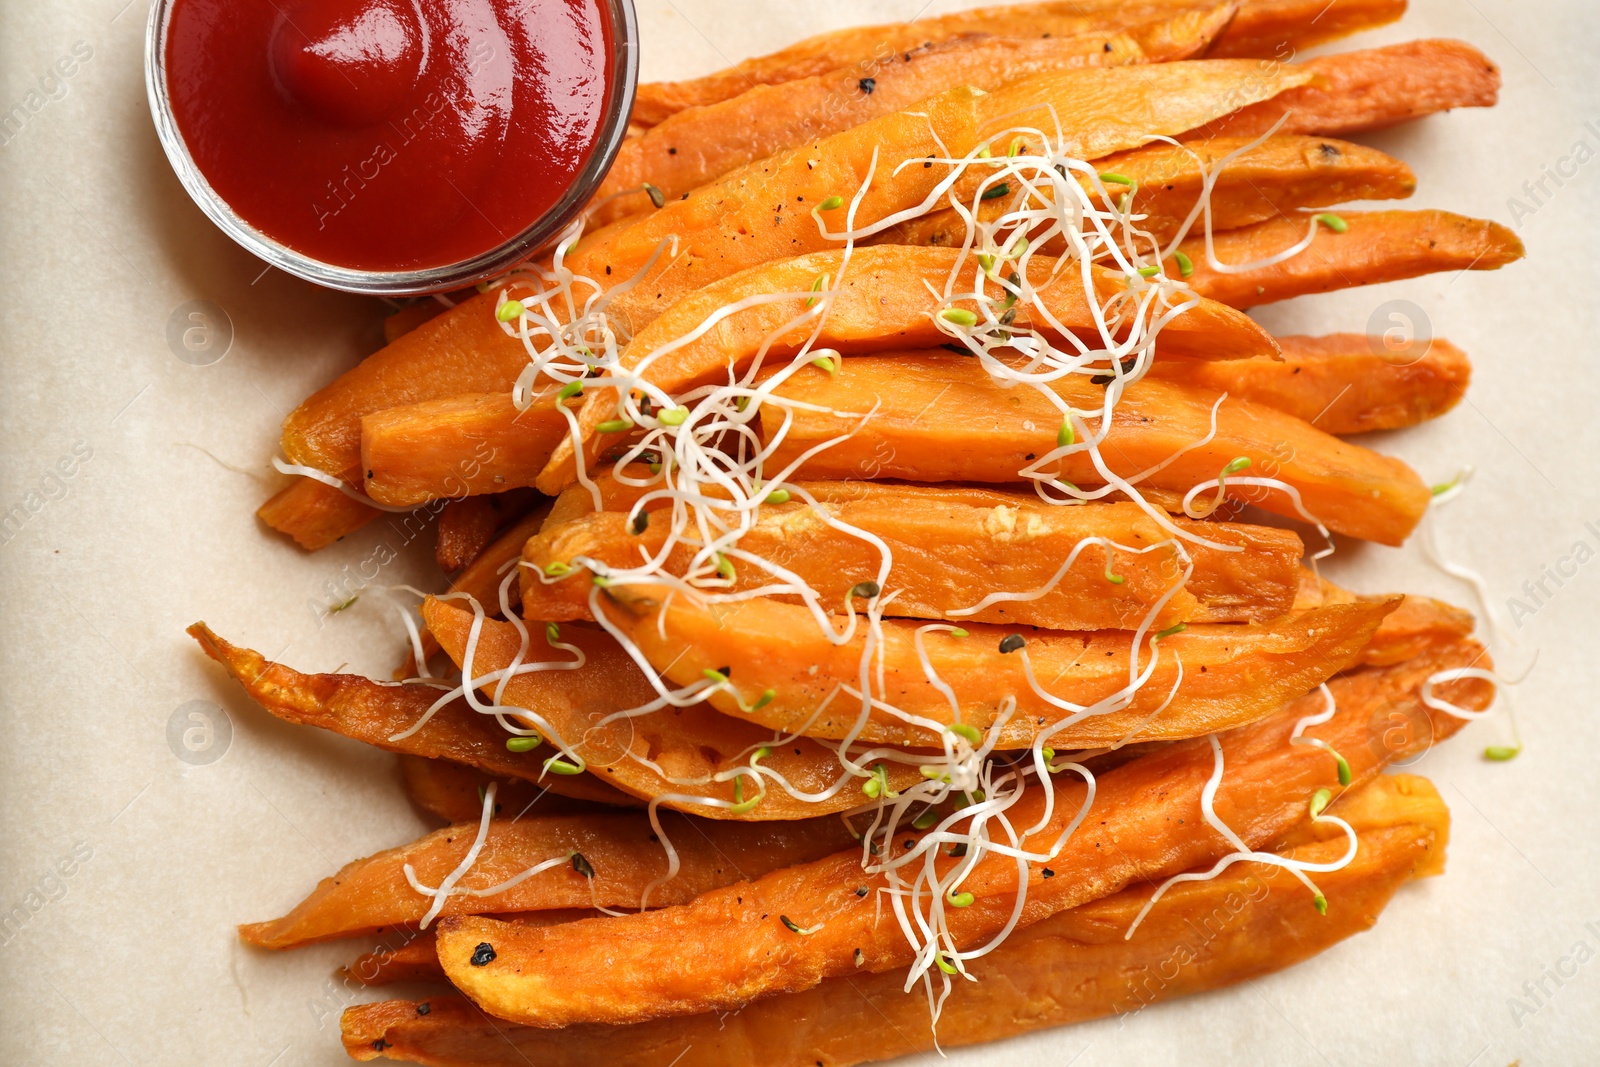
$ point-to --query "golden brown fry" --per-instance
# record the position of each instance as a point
(1248, 921)
(369, 895)
(952, 547)
(313, 514)
(374, 712)
(1341, 384)
(728, 947)
(1376, 246)
(410, 955)
(940, 418)
(782, 671)
(699, 145)
(1282, 174)
(689, 745)
(467, 525)
(1371, 89)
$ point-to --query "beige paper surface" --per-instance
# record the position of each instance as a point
(124, 866)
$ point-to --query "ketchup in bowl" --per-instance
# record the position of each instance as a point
(421, 138)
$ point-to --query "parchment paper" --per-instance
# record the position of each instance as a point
(133, 839)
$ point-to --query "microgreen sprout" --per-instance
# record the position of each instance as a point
(926, 821)
(796, 928)
(1175, 628)
(602, 581)
(877, 785)
(1116, 179)
(657, 197)
(816, 287)
(1065, 436)
(778, 496)
(831, 203)
(1333, 222)
(615, 425)
(960, 900)
(673, 416)
(1014, 280)
(1501, 753)
(997, 192)
(934, 773)
(741, 806)
(1016, 148)
(523, 744)
(557, 765)
(971, 733)
(1343, 766)
(640, 523)
(581, 864)
(511, 309)
(767, 696)
(865, 590)
(956, 631)
(571, 389)
(945, 965)
(959, 317)
(1149, 272)
(556, 569)
(725, 569)
(1320, 902)
(1185, 264)
(711, 674)
(1114, 579)
(826, 364)
(1011, 643)
(1319, 801)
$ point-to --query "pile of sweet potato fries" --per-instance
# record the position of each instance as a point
(884, 591)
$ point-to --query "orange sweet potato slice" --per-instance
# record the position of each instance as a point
(1371, 89)
(1282, 174)
(701, 144)
(776, 653)
(1377, 246)
(1261, 28)
(729, 946)
(373, 712)
(883, 299)
(453, 792)
(1341, 384)
(369, 895)
(940, 418)
(952, 547)
(639, 755)
(313, 514)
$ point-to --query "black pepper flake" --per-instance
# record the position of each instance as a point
(957, 349)
(1028, 456)
(861, 891)
(380, 1044)
(726, 672)
(1108, 46)
(1048, 873)
(369, 474)
(672, 151)
(424, 1008)
(1012, 642)
(957, 850)
(608, 268)
(867, 85)
(911, 842)
(483, 955)
(580, 863)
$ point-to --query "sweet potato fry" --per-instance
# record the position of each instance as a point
(467, 525)
(453, 792)
(1378, 246)
(734, 223)
(1341, 384)
(313, 514)
(456, 446)
(882, 299)
(1282, 174)
(952, 547)
(638, 755)
(1248, 921)
(407, 954)
(369, 895)
(1262, 28)
(699, 145)
(776, 653)
(482, 579)
(369, 711)
(1278, 28)
(940, 418)
(1371, 89)
(728, 947)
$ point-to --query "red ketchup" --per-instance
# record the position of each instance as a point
(389, 135)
